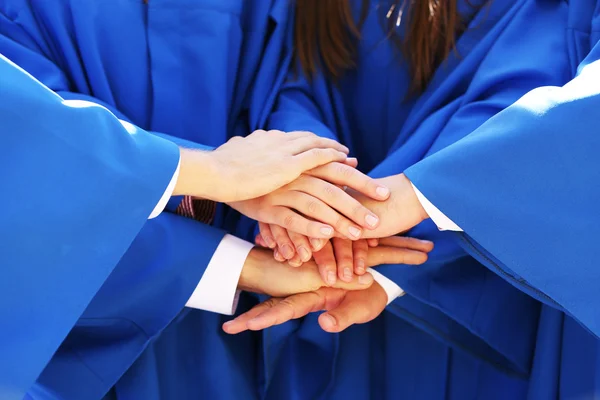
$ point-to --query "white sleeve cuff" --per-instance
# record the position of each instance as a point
(443, 223)
(393, 291)
(167, 195)
(217, 289)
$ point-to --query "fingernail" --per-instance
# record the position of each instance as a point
(354, 232)
(382, 191)
(228, 323)
(304, 254)
(287, 251)
(372, 220)
(277, 256)
(331, 278)
(327, 231)
(365, 279)
(295, 263)
(315, 243)
(348, 274)
(328, 322)
(360, 266)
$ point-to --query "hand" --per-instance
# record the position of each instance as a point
(348, 258)
(245, 168)
(399, 213)
(262, 274)
(316, 195)
(292, 247)
(343, 309)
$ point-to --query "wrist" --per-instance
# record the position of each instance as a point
(404, 209)
(250, 276)
(198, 175)
(414, 202)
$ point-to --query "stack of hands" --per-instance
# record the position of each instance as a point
(322, 224)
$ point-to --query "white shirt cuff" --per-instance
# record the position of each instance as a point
(392, 290)
(443, 223)
(167, 195)
(217, 289)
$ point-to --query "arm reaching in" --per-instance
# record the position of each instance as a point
(245, 168)
(346, 307)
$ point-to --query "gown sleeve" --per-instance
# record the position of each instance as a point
(78, 187)
(95, 177)
(522, 187)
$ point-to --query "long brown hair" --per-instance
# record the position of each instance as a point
(326, 35)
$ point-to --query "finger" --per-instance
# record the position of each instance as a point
(315, 157)
(342, 249)
(360, 250)
(345, 175)
(351, 161)
(408, 243)
(358, 282)
(259, 241)
(267, 235)
(356, 308)
(394, 255)
(294, 222)
(296, 306)
(238, 324)
(373, 242)
(317, 244)
(302, 245)
(337, 199)
(325, 259)
(284, 243)
(278, 256)
(304, 141)
(316, 209)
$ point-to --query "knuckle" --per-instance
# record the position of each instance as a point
(289, 221)
(345, 260)
(339, 224)
(317, 153)
(289, 307)
(312, 206)
(344, 171)
(329, 190)
(358, 210)
(272, 302)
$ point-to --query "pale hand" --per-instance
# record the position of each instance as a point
(314, 204)
(401, 212)
(249, 167)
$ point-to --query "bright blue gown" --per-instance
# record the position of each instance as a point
(463, 331)
(79, 186)
(193, 71)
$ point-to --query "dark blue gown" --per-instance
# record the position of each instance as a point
(467, 329)
(192, 71)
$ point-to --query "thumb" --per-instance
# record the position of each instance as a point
(356, 308)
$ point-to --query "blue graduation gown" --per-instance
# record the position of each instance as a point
(486, 329)
(78, 187)
(538, 225)
(195, 72)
